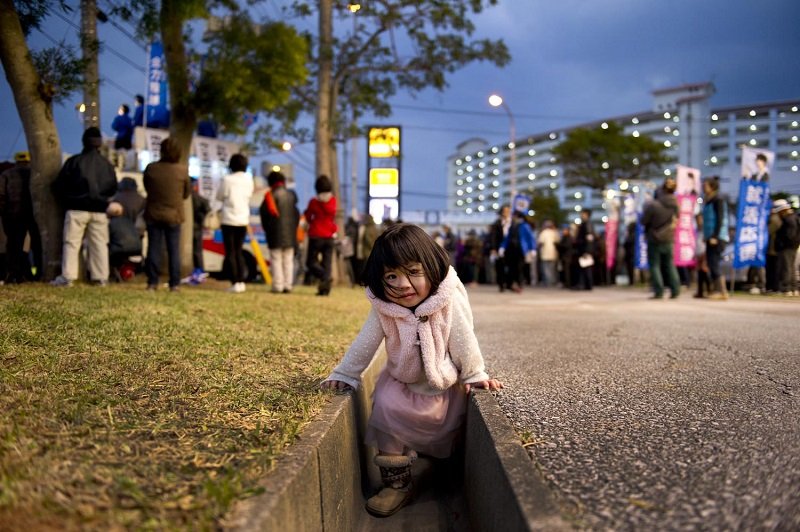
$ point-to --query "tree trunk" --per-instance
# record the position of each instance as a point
(323, 127)
(183, 117)
(41, 134)
(325, 150)
(89, 49)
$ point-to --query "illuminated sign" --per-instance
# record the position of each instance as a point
(384, 142)
(384, 209)
(384, 182)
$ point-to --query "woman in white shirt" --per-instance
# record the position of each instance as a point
(234, 192)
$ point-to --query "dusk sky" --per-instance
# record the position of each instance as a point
(573, 61)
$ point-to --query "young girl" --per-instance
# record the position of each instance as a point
(420, 308)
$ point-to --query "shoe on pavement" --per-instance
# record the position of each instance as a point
(718, 296)
(755, 291)
(61, 281)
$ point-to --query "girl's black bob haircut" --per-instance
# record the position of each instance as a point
(396, 248)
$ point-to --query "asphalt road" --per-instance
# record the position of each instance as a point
(653, 415)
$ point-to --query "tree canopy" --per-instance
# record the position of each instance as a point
(597, 157)
(383, 47)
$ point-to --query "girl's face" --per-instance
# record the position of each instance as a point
(407, 287)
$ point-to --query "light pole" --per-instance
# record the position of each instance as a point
(496, 101)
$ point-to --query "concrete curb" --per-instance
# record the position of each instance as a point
(503, 488)
(318, 483)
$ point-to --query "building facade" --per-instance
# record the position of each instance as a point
(694, 134)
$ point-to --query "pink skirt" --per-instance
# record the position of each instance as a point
(402, 419)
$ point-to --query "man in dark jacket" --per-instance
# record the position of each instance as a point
(787, 240)
(200, 209)
(497, 234)
(16, 211)
(280, 217)
(85, 186)
(659, 219)
(585, 242)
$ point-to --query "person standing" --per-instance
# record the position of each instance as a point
(279, 218)
(200, 209)
(167, 184)
(715, 234)
(585, 244)
(234, 193)
(320, 216)
(514, 249)
(548, 240)
(497, 234)
(16, 211)
(84, 187)
(123, 125)
(659, 219)
(138, 111)
(787, 239)
(449, 243)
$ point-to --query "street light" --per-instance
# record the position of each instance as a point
(497, 101)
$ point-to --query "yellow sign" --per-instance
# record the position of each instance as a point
(384, 183)
(384, 142)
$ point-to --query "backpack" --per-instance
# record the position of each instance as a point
(666, 233)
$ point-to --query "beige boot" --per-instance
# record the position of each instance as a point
(397, 488)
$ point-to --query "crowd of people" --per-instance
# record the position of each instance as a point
(109, 219)
(513, 253)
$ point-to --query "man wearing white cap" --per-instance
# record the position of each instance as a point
(787, 240)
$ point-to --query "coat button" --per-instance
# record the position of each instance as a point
(423, 319)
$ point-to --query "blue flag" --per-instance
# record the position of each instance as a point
(752, 217)
(156, 100)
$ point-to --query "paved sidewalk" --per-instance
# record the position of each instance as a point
(666, 414)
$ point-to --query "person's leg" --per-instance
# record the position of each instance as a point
(654, 261)
(313, 267)
(785, 266)
(395, 468)
(287, 259)
(238, 241)
(173, 237)
(155, 250)
(667, 262)
(327, 249)
(197, 249)
(276, 267)
(75, 223)
(500, 272)
(15, 240)
(36, 247)
(97, 235)
(793, 271)
(228, 242)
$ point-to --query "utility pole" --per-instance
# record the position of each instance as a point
(90, 47)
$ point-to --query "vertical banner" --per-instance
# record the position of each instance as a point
(643, 196)
(752, 217)
(641, 245)
(688, 186)
(612, 233)
(156, 115)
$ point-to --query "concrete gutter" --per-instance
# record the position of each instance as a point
(318, 483)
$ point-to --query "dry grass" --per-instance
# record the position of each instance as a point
(125, 409)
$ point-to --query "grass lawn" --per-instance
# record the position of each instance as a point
(127, 409)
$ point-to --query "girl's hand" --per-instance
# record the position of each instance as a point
(337, 386)
(491, 384)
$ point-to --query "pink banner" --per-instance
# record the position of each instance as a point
(612, 229)
(685, 239)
